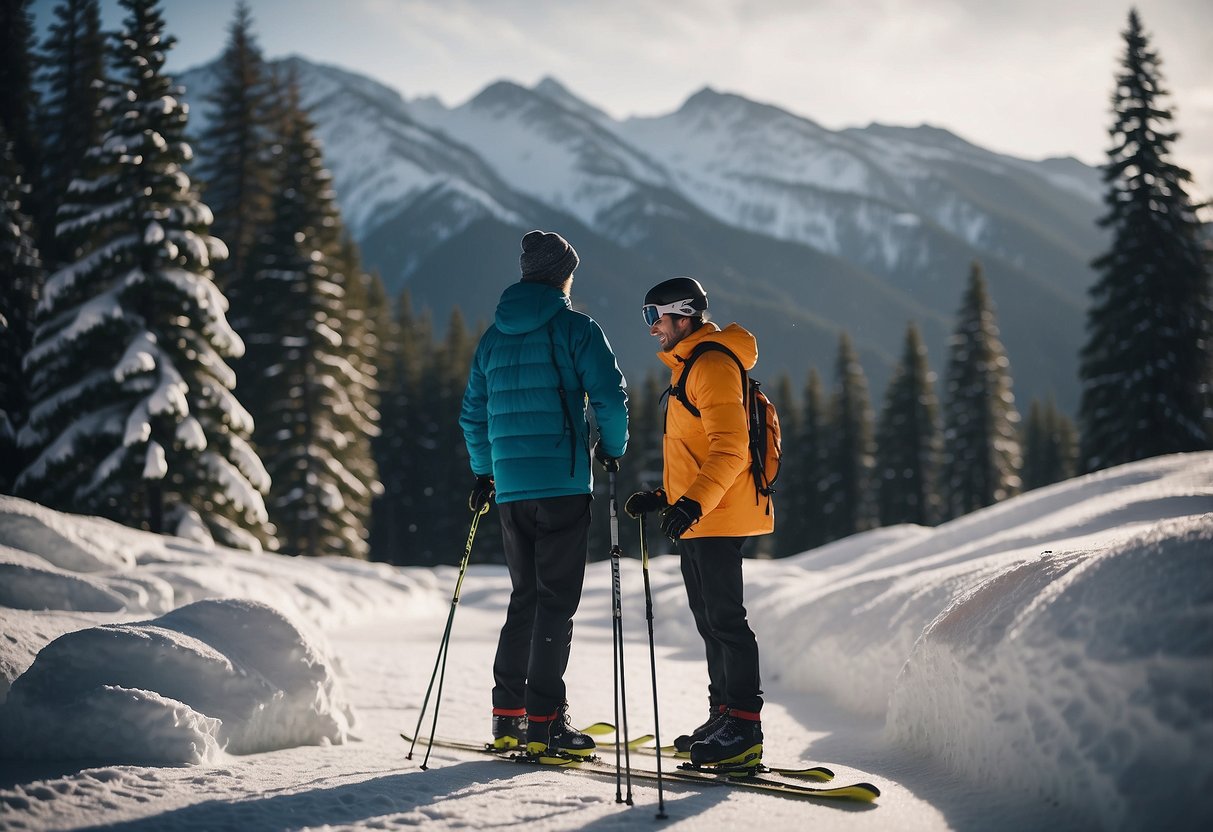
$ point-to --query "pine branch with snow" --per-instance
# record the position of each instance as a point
(300, 312)
(129, 364)
(20, 286)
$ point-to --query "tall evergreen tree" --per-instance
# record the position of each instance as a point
(234, 153)
(363, 305)
(23, 206)
(70, 121)
(1147, 367)
(789, 521)
(646, 422)
(981, 457)
(422, 515)
(803, 484)
(908, 441)
(21, 279)
(407, 343)
(812, 458)
(849, 506)
(133, 414)
(305, 392)
(18, 98)
(1050, 446)
(447, 474)
(644, 463)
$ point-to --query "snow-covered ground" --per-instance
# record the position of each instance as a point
(1044, 663)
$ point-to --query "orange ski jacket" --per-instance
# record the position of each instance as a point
(707, 458)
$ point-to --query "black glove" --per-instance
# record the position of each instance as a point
(642, 502)
(482, 493)
(604, 459)
(679, 517)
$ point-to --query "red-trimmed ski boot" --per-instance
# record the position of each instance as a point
(683, 743)
(734, 745)
(552, 735)
(509, 728)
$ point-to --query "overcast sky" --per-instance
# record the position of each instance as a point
(1027, 77)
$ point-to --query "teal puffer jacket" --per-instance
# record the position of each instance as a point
(514, 421)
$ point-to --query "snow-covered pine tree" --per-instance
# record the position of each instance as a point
(849, 505)
(18, 97)
(21, 277)
(981, 453)
(365, 302)
(133, 416)
(908, 439)
(1050, 446)
(233, 157)
(1147, 366)
(73, 68)
(300, 384)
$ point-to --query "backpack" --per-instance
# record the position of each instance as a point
(766, 445)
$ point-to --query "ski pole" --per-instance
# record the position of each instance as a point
(443, 647)
(621, 696)
(648, 613)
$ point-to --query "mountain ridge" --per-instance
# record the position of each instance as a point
(780, 217)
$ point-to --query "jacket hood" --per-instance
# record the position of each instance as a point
(525, 307)
(737, 338)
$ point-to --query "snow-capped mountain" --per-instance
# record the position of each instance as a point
(552, 147)
(798, 231)
(879, 197)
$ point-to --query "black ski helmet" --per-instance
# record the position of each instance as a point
(676, 289)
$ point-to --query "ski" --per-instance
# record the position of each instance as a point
(864, 792)
(818, 773)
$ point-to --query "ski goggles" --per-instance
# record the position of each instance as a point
(653, 311)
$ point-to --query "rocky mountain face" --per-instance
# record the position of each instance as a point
(798, 232)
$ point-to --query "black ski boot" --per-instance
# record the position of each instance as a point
(551, 734)
(509, 728)
(735, 743)
(682, 744)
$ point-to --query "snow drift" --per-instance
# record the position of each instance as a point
(211, 676)
(1083, 677)
(1059, 642)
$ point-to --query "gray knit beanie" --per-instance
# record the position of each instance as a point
(547, 258)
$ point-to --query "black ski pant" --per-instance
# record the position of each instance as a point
(546, 543)
(711, 571)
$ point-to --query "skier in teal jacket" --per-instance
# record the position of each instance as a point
(536, 371)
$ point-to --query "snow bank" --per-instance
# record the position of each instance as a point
(1059, 643)
(211, 676)
(80, 544)
(235, 663)
(849, 614)
(28, 583)
(54, 561)
(1082, 677)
